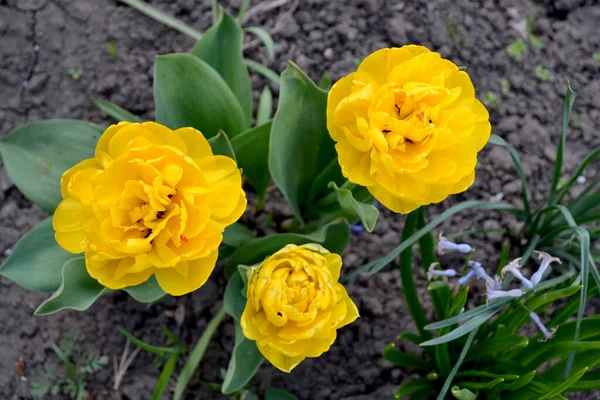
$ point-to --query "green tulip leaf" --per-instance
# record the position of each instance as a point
(244, 362)
(221, 145)
(333, 236)
(366, 212)
(189, 92)
(237, 234)
(252, 150)
(116, 112)
(221, 48)
(300, 146)
(36, 155)
(78, 290)
(36, 261)
(146, 292)
(234, 300)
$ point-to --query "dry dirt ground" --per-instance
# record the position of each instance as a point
(75, 36)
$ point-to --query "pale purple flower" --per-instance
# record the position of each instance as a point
(513, 267)
(432, 273)
(548, 334)
(481, 274)
(444, 246)
(547, 259)
(467, 277)
(496, 294)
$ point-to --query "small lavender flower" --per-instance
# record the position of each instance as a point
(548, 334)
(495, 294)
(513, 267)
(467, 277)
(444, 246)
(547, 259)
(432, 273)
(481, 274)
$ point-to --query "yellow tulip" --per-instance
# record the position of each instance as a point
(295, 304)
(152, 201)
(408, 127)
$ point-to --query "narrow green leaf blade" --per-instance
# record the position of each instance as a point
(457, 364)
(462, 330)
(36, 261)
(265, 106)
(165, 376)
(114, 111)
(163, 18)
(191, 365)
(264, 71)
(401, 359)
(189, 92)
(36, 155)
(78, 290)
(221, 48)
(278, 394)
(265, 37)
(462, 394)
(567, 108)
(160, 350)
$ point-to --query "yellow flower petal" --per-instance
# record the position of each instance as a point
(172, 282)
(278, 359)
(197, 145)
(224, 178)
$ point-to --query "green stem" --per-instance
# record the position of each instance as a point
(195, 357)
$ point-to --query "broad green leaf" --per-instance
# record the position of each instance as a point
(221, 145)
(237, 234)
(146, 292)
(264, 71)
(334, 237)
(243, 364)
(300, 146)
(160, 350)
(221, 48)
(36, 155)
(265, 37)
(163, 18)
(560, 387)
(114, 111)
(366, 212)
(325, 82)
(567, 108)
(471, 205)
(165, 377)
(265, 106)
(462, 330)
(278, 394)
(189, 92)
(191, 365)
(78, 290)
(252, 150)
(401, 359)
(325, 200)
(462, 394)
(234, 301)
(36, 261)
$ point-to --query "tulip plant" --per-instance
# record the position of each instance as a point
(151, 208)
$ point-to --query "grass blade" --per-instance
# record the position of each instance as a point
(264, 71)
(494, 304)
(565, 385)
(114, 111)
(147, 347)
(163, 18)
(265, 37)
(562, 192)
(568, 107)
(472, 205)
(469, 326)
(497, 140)
(195, 357)
(242, 11)
(457, 365)
(165, 376)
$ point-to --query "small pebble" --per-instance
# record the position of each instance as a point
(328, 53)
(7, 252)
